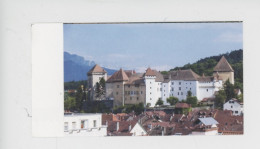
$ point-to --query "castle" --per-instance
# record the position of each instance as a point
(128, 87)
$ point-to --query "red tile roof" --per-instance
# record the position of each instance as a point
(96, 69)
(118, 77)
(182, 105)
(223, 66)
(150, 72)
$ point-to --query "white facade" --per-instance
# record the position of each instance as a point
(212, 132)
(180, 88)
(234, 106)
(138, 130)
(153, 90)
(84, 125)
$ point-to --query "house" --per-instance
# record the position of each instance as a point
(94, 76)
(235, 106)
(82, 124)
(138, 130)
(206, 126)
(129, 87)
(224, 70)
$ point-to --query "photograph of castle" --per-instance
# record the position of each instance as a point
(153, 79)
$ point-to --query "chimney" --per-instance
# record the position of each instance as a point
(130, 127)
(117, 126)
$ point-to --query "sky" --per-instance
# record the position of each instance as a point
(161, 46)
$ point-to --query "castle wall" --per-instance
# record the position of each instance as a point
(134, 94)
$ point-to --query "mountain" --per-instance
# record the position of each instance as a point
(76, 67)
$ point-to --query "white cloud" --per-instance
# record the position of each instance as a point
(229, 37)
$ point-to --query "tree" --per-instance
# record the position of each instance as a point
(159, 102)
(189, 94)
(229, 90)
(220, 99)
(172, 100)
(101, 88)
(80, 97)
(70, 103)
(148, 105)
(192, 100)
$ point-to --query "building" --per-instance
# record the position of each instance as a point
(138, 130)
(94, 75)
(224, 70)
(84, 125)
(206, 126)
(235, 106)
(129, 87)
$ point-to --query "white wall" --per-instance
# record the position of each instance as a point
(233, 107)
(151, 90)
(89, 129)
(138, 130)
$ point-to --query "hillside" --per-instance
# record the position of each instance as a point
(76, 67)
(206, 65)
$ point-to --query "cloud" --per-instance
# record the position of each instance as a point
(229, 37)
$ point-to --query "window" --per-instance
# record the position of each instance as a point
(66, 126)
(150, 98)
(207, 90)
(181, 93)
(82, 124)
(128, 86)
(179, 83)
(117, 86)
(128, 92)
(116, 93)
(94, 123)
(179, 88)
(231, 106)
(163, 94)
(172, 83)
(178, 93)
(164, 86)
(150, 87)
(141, 92)
(150, 82)
(150, 92)
(160, 89)
(190, 89)
(163, 90)
(236, 112)
(172, 89)
(74, 125)
(137, 98)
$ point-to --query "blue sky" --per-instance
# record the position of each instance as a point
(160, 46)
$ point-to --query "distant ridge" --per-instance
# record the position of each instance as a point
(76, 67)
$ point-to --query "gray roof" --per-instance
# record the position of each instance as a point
(187, 75)
(208, 121)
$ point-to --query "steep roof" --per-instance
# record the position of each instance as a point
(182, 105)
(150, 72)
(208, 121)
(96, 69)
(118, 76)
(187, 75)
(223, 66)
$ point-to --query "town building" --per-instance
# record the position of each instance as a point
(224, 70)
(234, 105)
(94, 76)
(84, 125)
(206, 126)
(128, 87)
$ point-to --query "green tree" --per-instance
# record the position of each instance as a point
(101, 88)
(70, 103)
(189, 94)
(80, 97)
(220, 99)
(229, 90)
(192, 100)
(159, 102)
(172, 100)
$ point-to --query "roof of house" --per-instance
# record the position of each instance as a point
(223, 66)
(150, 72)
(182, 105)
(96, 69)
(208, 121)
(136, 78)
(187, 75)
(118, 76)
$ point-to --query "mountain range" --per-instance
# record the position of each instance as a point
(76, 67)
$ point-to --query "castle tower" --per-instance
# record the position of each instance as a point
(149, 78)
(94, 76)
(115, 87)
(224, 70)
